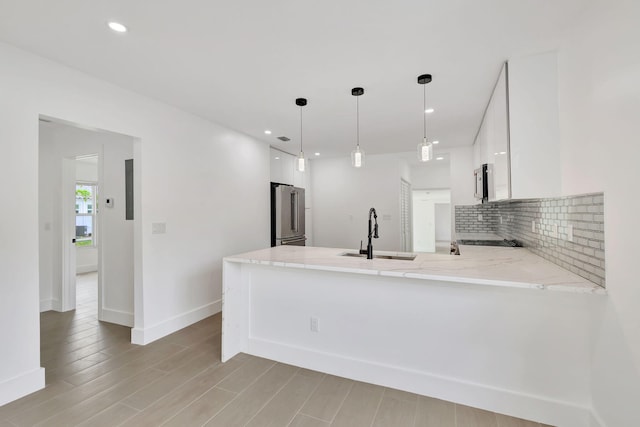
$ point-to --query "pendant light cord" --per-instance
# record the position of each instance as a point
(301, 129)
(358, 121)
(424, 110)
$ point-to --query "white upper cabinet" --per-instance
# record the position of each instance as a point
(283, 169)
(534, 126)
(492, 142)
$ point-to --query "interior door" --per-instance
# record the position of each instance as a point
(68, 241)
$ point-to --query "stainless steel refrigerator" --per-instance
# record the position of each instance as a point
(287, 215)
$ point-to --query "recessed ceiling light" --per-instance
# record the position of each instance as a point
(268, 132)
(117, 27)
(436, 142)
(317, 154)
(439, 158)
(503, 152)
(429, 110)
(277, 158)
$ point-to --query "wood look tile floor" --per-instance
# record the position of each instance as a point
(96, 377)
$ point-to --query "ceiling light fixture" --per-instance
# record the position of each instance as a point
(117, 27)
(317, 154)
(357, 155)
(301, 102)
(439, 158)
(435, 142)
(425, 148)
(268, 132)
(429, 110)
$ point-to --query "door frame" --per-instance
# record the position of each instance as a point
(67, 219)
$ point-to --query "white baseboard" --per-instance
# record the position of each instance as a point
(484, 396)
(117, 316)
(17, 387)
(90, 268)
(144, 336)
(50, 304)
(46, 305)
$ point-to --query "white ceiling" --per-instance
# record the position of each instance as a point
(242, 63)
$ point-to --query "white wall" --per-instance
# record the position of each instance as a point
(342, 196)
(599, 106)
(434, 174)
(179, 157)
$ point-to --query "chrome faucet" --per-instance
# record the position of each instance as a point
(372, 233)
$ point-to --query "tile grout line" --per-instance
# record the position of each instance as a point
(207, 391)
(274, 395)
(307, 399)
(342, 403)
(378, 407)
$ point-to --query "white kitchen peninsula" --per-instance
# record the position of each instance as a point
(487, 328)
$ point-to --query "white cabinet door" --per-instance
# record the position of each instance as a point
(534, 126)
(275, 157)
(499, 149)
(492, 143)
(282, 167)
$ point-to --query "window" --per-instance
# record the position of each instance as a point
(86, 214)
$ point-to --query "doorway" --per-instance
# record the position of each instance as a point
(84, 227)
(431, 220)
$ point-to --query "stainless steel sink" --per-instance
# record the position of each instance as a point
(396, 257)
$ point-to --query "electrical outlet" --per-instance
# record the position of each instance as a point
(533, 226)
(314, 324)
(479, 217)
(158, 228)
(570, 233)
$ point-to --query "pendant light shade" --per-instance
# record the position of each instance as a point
(357, 155)
(425, 148)
(300, 161)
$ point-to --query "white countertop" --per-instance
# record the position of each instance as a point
(478, 236)
(482, 265)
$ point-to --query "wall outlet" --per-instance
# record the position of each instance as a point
(570, 233)
(314, 324)
(479, 217)
(158, 228)
(533, 226)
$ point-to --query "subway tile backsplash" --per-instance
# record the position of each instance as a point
(512, 219)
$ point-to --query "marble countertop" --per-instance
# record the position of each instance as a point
(482, 265)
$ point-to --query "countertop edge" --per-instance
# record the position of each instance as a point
(560, 287)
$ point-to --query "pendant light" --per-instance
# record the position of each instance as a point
(425, 148)
(357, 155)
(301, 102)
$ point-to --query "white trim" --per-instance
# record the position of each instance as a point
(144, 336)
(89, 268)
(46, 305)
(17, 387)
(537, 408)
(118, 317)
(50, 304)
(68, 249)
